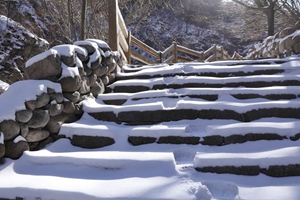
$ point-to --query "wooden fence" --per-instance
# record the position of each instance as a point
(121, 40)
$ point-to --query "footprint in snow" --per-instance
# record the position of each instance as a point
(210, 190)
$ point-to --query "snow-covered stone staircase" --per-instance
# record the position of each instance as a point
(202, 104)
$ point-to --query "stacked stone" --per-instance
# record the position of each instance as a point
(283, 44)
(30, 130)
(82, 70)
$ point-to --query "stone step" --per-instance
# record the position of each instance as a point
(108, 160)
(175, 110)
(198, 69)
(276, 163)
(209, 94)
(265, 62)
(87, 133)
(214, 135)
(177, 82)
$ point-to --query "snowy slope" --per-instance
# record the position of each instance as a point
(165, 170)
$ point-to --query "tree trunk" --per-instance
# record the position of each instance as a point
(83, 16)
(271, 18)
(71, 22)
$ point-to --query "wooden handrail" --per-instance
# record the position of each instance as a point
(145, 47)
(120, 39)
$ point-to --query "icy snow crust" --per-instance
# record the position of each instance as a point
(14, 98)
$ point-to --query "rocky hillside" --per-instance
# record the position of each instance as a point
(17, 45)
(159, 28)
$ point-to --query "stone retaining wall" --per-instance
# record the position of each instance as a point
(82, 70)
(283, 44)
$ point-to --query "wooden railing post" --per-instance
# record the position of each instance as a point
(160, 57)
(222, 53)
(201, 56)
(215, 52)
(175, 53)
(128, 54)
(113, 39)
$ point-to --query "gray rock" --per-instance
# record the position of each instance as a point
(23, 116)
(101, 44)
(287, 31)
(297, 48)
(69, 107)
(84, 88)
(58, 97)
(92, 79)
(238, 170)
(91, 142)
(289, 42)
(100, 71)
(42, 100)
(31, 104)
(87, 70)
(70, 84)
(70, 61)
(47, 68)
(105, 80)
(179, 140)
(73, 50)
(81, 71)
(281, 47)
(112, 67)
(50, 91)
(296, 39)
(55, 123)
(39, 119)
(55, 109)
(72, 96)
(10, 129)
(97, 88)
(2, 150)
(37, 135)
(138, 140)
(282, 170)
(24, 130)
(213, 140)
(90, 49)
(96, 63)
(14, 150)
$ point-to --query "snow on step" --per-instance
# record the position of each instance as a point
(104, 159)
(213, 70)
(285, 156)
(264, 91)
(276, 163)
(94, 106)
(281, 128)
(137, 85)
(265, 62)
